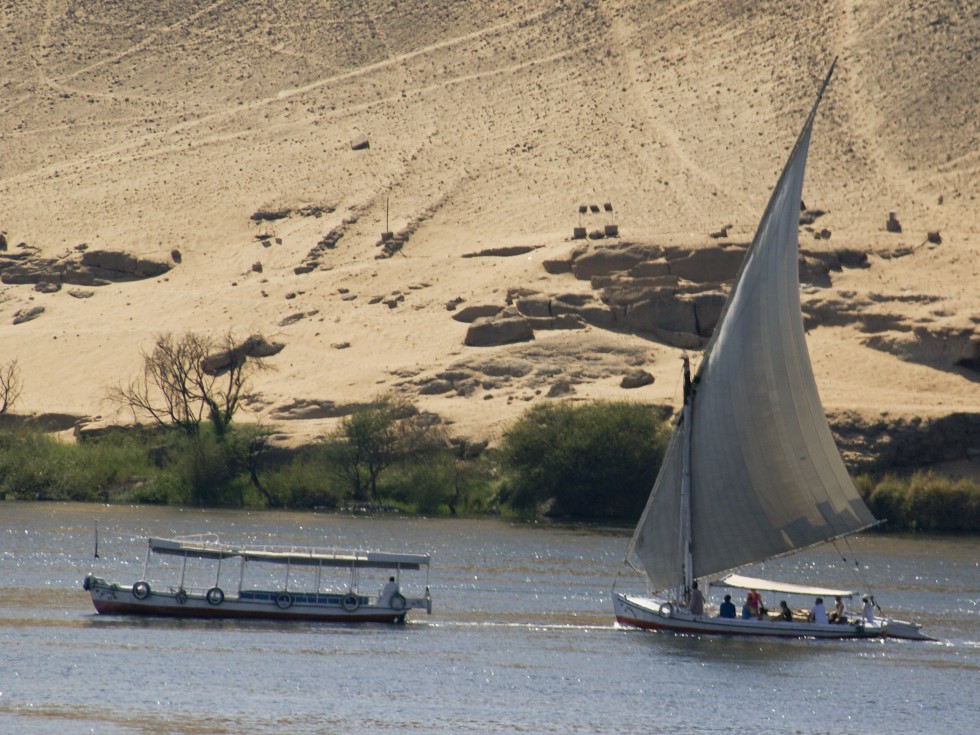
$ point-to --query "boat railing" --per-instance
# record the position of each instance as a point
(298, 595)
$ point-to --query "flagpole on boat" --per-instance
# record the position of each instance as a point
(96, 539)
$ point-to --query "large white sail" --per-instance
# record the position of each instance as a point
(766, 475)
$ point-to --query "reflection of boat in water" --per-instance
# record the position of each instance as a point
(283, 601)
(752, 471)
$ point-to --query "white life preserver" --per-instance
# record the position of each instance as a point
(216, 596)
(141, 590)
(350, 602)
(284, 600)
(397, 601)
(666, 610)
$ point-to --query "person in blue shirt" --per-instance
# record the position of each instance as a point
(727, 608)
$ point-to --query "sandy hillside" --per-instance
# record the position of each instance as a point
(160, 131)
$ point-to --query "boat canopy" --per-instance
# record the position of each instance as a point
(740, 582)
(300, 556)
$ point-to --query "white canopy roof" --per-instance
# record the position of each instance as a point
(738, 581)
(208, 549)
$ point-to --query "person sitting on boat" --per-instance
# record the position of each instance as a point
(818, 614)
(784, 612)
(727, 608)
(696, 605)
(839, 614)
(387, 592)
(868, 613)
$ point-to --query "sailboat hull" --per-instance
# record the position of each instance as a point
(659, 614)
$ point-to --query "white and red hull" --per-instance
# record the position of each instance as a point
(653, 613)
(114, 599)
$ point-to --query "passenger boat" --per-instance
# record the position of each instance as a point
(281, 595)
(751, 471)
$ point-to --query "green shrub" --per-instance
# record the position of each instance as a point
(305, 482)
(888, 501)
(36, 465)
(925, 501)
(426, 486)
(595, 460)
(208, 469)
(937, 504)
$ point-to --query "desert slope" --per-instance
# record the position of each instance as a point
(166, 127)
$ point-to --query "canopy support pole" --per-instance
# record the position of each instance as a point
(146, 560)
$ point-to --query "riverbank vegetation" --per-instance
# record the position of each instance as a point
(595, 460)
(573, 461)
(923, 502)
(385, 455)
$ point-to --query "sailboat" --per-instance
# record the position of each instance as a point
(751, 471)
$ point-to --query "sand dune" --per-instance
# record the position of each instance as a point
(151, 129)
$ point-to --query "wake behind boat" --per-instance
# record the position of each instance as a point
(286, 599)
(751, 471)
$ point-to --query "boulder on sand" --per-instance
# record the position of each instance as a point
(489, 331)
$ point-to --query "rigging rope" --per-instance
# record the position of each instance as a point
(857, 568)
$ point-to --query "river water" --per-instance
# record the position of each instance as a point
(521, 640)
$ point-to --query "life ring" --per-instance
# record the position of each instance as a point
(216, 596)
(350, 602)
(284, 600)
(397, 601)
(666, 610)
(141, 590)
(181, 596)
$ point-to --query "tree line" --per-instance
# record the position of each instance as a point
(567, 460)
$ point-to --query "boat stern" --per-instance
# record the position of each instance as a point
(903, 629)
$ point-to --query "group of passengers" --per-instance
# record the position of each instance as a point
(755, 609)
(818, 614)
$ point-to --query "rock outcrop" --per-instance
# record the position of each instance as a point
(885, 444)
(674, 294)
(81, 268)
(505, 328)
(933, 338)
(255, 346)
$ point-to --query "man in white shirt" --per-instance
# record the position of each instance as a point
(387, 592)
(868, 613)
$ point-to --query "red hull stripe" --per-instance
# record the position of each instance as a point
(110, 607)
(706, 629)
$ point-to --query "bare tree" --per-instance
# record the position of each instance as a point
(10, 385)
(165, 391)
(189, 379)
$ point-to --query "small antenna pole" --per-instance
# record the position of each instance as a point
(96, 539)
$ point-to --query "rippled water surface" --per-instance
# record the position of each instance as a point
(521, 640)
